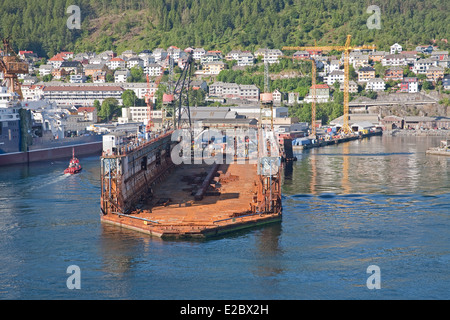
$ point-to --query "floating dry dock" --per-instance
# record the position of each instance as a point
(144, 191)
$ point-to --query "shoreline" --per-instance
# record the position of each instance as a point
(418, 133)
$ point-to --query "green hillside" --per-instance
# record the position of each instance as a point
(40, 25)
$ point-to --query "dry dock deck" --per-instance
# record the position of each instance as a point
(175, 212)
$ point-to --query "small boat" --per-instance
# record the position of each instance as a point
(74, 165)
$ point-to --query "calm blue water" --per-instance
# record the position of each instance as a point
(374, 202)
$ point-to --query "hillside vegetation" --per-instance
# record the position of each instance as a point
(40, 25)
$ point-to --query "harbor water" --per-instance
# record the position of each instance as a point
(374, 202)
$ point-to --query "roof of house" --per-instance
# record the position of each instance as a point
(70, 64)
(376, 80)
(87, 109)
(83, 88)
(56, 58)
(321, 86)
(366, 69)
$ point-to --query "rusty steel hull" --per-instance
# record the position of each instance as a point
(143, 190)
(176, 211)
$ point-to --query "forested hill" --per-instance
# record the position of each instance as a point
(40, 25)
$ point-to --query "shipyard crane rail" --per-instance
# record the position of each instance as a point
(347, 48)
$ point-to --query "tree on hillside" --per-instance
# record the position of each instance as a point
(110, 108)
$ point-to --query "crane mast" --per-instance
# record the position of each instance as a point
(11, 66)
(347, 48)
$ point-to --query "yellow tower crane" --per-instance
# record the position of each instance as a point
(347, 48)
(313, 93)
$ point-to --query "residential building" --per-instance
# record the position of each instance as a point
(174, 52)
(322, 94)
(72, 67)
(198, 53)
(277, 97)
(248, 92)
(396, 48)
(56, 61)
(135, 62)
(77, 78)
(91, 69)
(361, 61)
(199, 85)
(45, 70)
(421, 66)
(444, 63)
(315, 53)
(210, 57)
(375, 84)
(410, 57)
(377, 56)
(393, 60)
(394, 73)
(116, 63)
(301, 55)
(245, 59)
(99, 77)
(234, 91)
(138, 114)
(59, 74)
(365, 74)
(352, 87)
(216, 89)
(82, 94)
(439, 55)
(29, 80)
(97, 60)
(213, 68)
(410, 85)
(424, 49)
(153, 70)
(233, 55)
(435, 74)
(332, 66)
(32, 92)
(269, 55)
(128, 54)
(231, 90)
(107, 55)
(140, 88)
(446, 82)
(66, 55)
(336, 75)
(121, 75)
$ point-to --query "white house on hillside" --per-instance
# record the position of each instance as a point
(396, 48)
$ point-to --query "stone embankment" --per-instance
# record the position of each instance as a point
(418, 133)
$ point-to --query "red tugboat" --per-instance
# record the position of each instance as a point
(74, 165)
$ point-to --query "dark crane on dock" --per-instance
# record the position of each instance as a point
(182, 87)
(11, 66)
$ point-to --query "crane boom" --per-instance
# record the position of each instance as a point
(347, 48)
(11, 66)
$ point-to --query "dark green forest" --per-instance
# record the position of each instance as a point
(40, 25)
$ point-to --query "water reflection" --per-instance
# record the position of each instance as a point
(376, 165)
